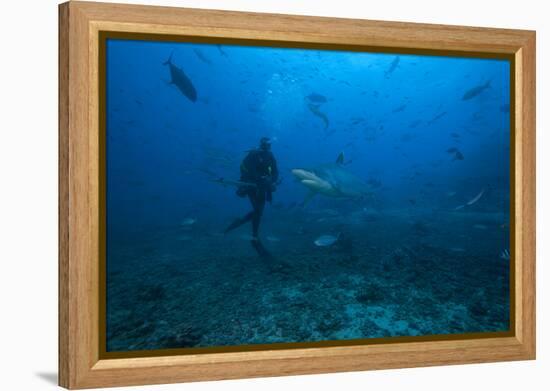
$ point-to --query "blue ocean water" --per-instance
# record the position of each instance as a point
(418, 221)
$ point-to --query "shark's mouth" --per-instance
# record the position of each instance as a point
(312, 181)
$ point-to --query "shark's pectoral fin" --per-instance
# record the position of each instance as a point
(317, 184)
(340, 158)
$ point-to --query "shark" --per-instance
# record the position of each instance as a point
(314, 108)
(475, 91)
(332, 180)
(181, 81)
(393, 67)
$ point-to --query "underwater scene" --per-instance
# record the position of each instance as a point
(267, 195)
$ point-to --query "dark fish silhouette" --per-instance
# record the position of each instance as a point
(457, 154)
(181, 81)
(315, 110)
(393, 66)
(316, 98)
(202, 57)
(438, 116)
(406, 137)
(222, 52)
(475, 91)
(374, 183)
(415, 123)
(399, 108)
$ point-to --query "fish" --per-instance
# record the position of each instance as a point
(374, 183)
(455, 135)
(315, 110)
(457, 249)
(505, 255)
(273, 239)
(325, 240)
(415, 123)
(475, 91)
(457, 154)
(399, 108)
(253, 108)
(188, 222)
(208, 172)
(220, 49)
(436, 117)
(228, 182)
(480, 226)
(393, 66)
(316, 98)
(476, 198)
(406, 137)
(472, 201)
(202, 57)
(181, 81)
(332, 180)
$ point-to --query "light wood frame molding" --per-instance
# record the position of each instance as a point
(80, 364)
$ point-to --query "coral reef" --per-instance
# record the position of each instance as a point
(388, 283)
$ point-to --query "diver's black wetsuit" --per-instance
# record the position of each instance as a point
(259, 168)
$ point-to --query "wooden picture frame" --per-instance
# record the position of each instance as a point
(81, 364)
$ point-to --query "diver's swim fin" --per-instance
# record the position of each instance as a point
(235, 224)
(260, 249)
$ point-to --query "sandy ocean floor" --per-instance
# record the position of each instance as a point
(392, 275)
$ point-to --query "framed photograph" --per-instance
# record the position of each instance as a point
(247, 195)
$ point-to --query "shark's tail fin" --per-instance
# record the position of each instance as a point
(169, 61)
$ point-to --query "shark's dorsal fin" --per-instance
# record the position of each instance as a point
(340, 158)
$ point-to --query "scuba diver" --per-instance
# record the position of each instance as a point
(259, 175)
